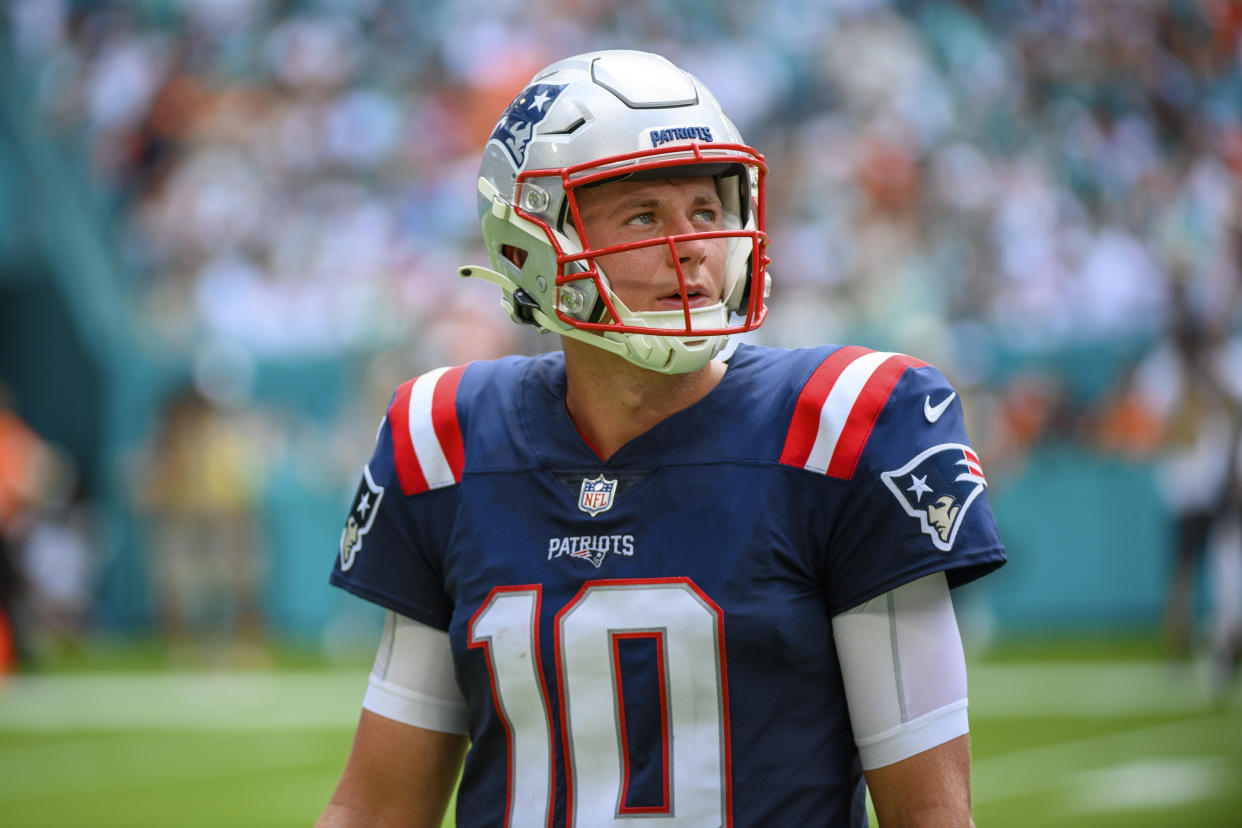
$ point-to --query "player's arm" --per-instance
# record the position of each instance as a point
(396, 774)
(408, 748)
(928, 790)
(904, 674)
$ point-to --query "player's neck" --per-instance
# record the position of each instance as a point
(612, 401)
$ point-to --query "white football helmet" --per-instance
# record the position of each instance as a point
(594, 118)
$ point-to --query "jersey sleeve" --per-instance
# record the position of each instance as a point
(886, 432)
(391, 549)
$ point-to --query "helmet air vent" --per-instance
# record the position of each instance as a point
(643, 81)
(569, 130)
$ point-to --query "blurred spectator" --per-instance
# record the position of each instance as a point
(29, 468)
(201, 478)
(1192, 383)
(1033, 409)
(57, 565)
(9, 659)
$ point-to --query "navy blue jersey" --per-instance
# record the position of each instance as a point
(647, 638)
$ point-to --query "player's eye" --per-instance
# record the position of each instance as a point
(641, 218)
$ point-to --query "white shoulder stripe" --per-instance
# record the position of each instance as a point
(431, 459)
(839, 404)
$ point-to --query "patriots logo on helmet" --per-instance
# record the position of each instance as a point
(937, 487)
(517, 126)
(361, 517)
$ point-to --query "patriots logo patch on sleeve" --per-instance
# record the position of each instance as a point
(937, 488)
(517, 125)
(361, 517)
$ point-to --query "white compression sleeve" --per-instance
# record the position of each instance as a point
(412, 680)
(904, 671)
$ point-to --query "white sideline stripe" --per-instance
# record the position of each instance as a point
(1060, 766)
(431, 459)
(837, 408)
(1144, 784)
(185, 700)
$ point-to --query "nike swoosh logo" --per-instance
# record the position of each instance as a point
(933, 412)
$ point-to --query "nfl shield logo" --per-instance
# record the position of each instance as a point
(596, 495)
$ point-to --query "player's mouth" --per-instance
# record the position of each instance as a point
(694, 298)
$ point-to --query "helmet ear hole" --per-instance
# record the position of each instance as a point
(514, 254)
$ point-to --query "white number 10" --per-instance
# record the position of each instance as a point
(687, 629)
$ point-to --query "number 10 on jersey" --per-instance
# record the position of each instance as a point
(687, 629)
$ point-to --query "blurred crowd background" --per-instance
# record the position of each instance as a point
(229, 228)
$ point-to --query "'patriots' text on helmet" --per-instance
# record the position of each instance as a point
(601, 117)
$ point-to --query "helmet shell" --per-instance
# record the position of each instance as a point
(594, 117)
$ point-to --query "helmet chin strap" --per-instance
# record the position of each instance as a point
(671, 354)
(663, 354)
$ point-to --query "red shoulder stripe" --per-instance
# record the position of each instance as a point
(427, 442)
(838, 408)
(866, 411)
(408, 472)
(804, 426)
(445, 422)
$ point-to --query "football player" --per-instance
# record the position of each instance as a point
(645, 585)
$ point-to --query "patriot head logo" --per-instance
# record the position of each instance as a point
(937, 488)
(361, 517)
(517, 125)
(593, 556)
(596, 495)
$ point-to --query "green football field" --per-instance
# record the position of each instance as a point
(1075, 735)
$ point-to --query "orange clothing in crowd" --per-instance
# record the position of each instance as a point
(8, 647)
(22, 466)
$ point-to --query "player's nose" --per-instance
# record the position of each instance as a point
(686, 250)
